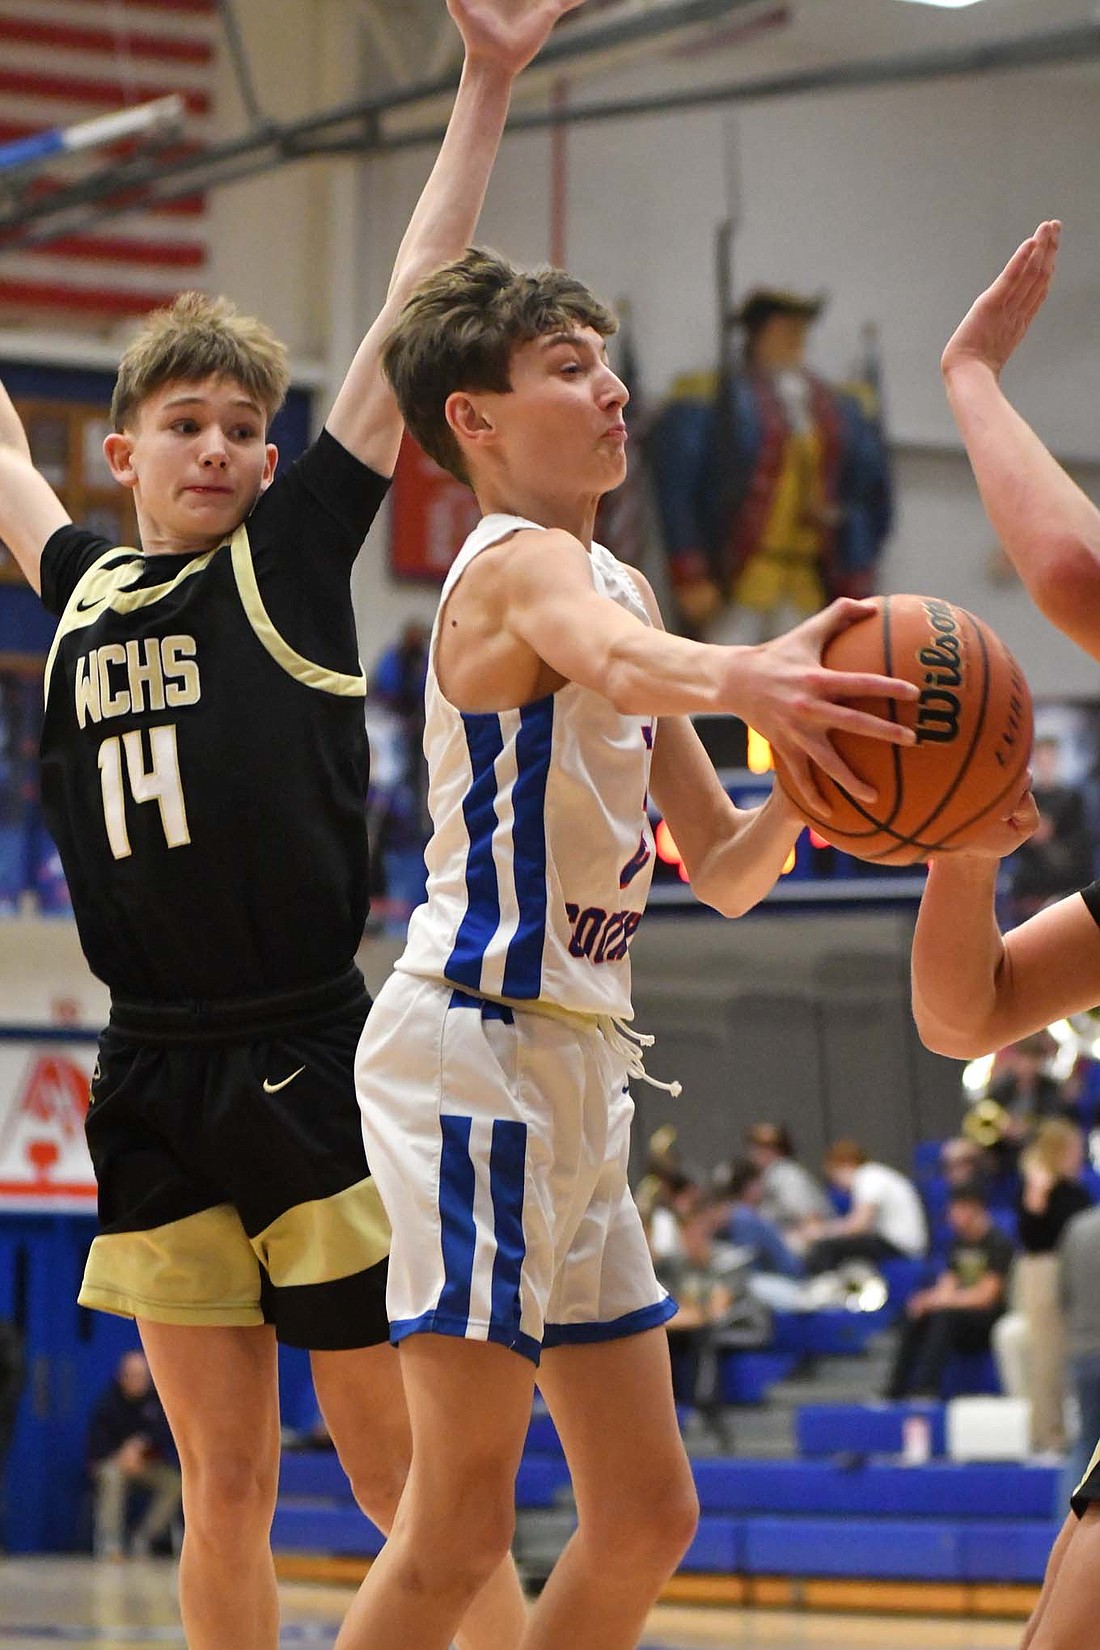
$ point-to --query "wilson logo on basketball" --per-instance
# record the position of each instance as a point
(938, 708)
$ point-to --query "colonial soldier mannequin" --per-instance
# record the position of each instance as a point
(774, 492)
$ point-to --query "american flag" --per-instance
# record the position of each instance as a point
(67, 61)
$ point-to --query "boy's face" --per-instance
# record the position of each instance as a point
(196, 458)
(561, 424)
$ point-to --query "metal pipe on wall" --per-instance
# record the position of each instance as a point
(34, 222)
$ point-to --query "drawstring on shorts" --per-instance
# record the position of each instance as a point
(629, 1044)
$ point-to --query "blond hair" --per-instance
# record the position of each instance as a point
(459, 329)
(197, 337)
(1053, 1141)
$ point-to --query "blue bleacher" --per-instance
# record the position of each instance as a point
(875, 1428)
(872, 1518)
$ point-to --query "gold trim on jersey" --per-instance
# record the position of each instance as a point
(103, 586)
(198, 1270)
(303, 670)
(327, 1238)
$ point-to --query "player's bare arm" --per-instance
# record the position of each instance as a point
(501, 37)
(535, 593)
(1047, 525)
(974, 989)
(733, 856)
(30, 510)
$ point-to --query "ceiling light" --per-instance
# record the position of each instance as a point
(953, 5)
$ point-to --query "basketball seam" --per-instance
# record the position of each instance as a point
(964, 825)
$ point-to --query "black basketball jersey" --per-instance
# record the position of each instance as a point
(204, 754)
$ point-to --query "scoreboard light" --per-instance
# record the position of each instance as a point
(669, 854)
(759, 758)
(665, 844)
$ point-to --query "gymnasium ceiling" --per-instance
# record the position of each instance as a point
(396, 59)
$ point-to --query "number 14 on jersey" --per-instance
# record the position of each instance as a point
(122, 766)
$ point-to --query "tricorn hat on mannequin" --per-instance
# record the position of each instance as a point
(765, 301)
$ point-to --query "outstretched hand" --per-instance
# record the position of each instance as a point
(508, 33)
(997, 322)
(796, 702)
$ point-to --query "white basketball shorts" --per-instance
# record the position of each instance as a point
(498, 1140)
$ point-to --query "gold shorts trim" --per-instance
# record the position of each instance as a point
(205, 1268)
(327, 1238)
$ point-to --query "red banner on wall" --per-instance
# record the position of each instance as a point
(431, 516)
(44, 1162)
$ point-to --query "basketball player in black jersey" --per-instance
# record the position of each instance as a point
(204, 769)
(974, 989)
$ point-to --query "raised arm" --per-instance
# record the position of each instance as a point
(30, 510)
(1048, 527)
(501, 37)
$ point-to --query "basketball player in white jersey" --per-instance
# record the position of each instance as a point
(493, 1074)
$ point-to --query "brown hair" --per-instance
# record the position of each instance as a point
(845, 1154)
(458, 332)
(194, 338)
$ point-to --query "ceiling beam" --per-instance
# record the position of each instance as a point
(357, 128)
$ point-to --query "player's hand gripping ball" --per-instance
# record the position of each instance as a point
(973, 723)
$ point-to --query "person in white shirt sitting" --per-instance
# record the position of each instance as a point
(886, 1220)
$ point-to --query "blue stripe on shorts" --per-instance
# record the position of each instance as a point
(631, 1323)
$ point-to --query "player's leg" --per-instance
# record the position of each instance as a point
(219, 1389)
(363, 1402)
(637, 1508)
(469, 1405)
(1065, 1617)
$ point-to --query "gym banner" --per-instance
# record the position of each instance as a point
(44, 1162)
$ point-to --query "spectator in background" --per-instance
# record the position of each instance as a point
(705, 1293)
(677, 1199)
(740, 1192)
(958, 1312)
(130, 1447)
(886, 1220)
(1024, 1086)
(1051, 1195)
(1058, 858)
(398, 686)
(1079, 1267)
(789, 1193)
(398, 799)
(963, 1162)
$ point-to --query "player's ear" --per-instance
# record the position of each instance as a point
(467, 417)
(118, 450)
(271, 458)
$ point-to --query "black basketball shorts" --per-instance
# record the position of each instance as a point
(1087, 1493)
(233, 1183)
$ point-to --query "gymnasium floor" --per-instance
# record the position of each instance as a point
(132, 1607)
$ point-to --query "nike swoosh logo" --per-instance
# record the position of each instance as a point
(273, 1088)
(86, 607)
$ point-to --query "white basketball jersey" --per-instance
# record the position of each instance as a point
(541, 856)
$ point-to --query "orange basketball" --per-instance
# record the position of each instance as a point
(973, 725)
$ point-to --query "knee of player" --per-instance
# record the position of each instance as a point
(651, 1531)
(457, 1545)
(377, 1484)
(228, 1490)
